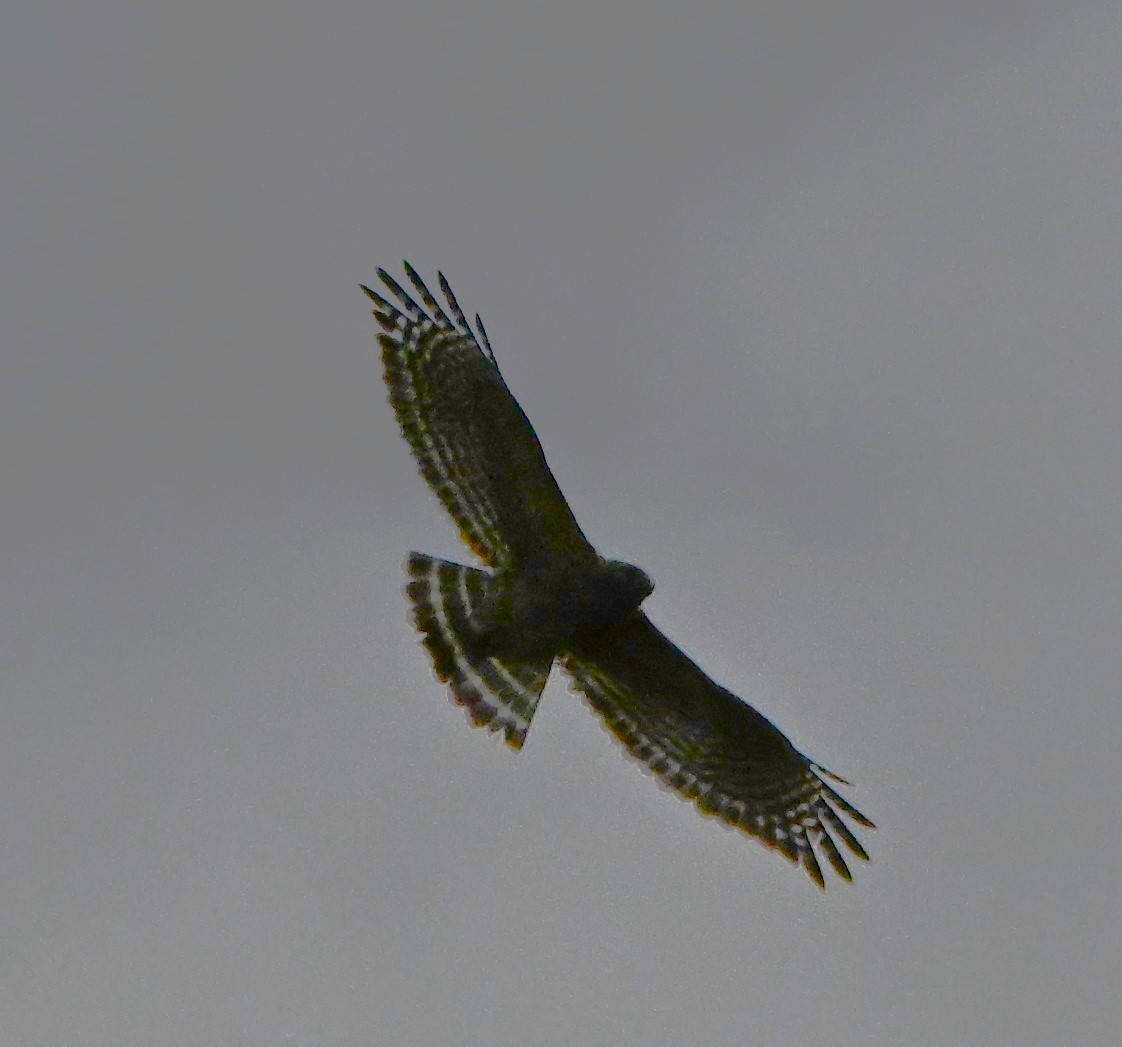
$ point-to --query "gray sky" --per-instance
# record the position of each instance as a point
(817, 315)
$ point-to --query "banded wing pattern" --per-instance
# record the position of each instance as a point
(711, 747)
(472, 441)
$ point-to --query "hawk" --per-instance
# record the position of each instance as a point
(546, 595)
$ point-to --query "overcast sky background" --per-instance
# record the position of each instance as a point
(816, 310)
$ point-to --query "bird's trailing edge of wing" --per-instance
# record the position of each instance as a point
(710, 747)
(416, 352)
(472, 441)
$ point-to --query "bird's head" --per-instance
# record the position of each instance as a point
(633, 583)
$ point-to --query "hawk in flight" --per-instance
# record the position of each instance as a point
(494, 634)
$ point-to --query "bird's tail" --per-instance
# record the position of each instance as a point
(449, 610)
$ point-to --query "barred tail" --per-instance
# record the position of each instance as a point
(501, 692)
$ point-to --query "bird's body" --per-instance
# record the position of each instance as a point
(547, 595)
(555, 604)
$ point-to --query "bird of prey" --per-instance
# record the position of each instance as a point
(546, 595)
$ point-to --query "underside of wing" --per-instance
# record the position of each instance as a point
(472, 441)
(711, 747)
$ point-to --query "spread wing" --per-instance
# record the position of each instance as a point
(710, 746)
(473, 443)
